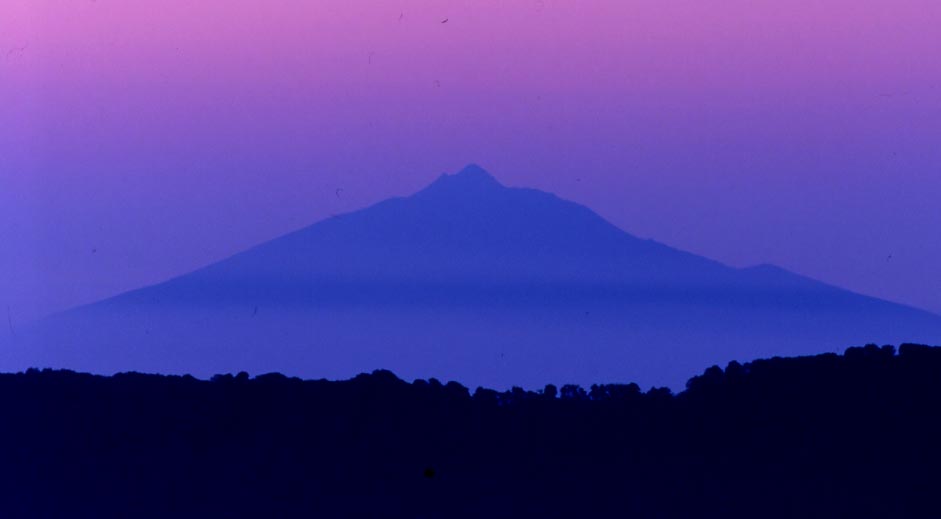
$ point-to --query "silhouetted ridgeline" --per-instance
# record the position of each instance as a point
(855, 435)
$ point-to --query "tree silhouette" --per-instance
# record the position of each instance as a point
(852, 435)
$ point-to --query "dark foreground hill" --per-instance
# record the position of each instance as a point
(855, 435)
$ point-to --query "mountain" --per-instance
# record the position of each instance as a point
(473, 281)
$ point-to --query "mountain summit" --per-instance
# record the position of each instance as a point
(471, 176)
(471, 182)
(468, 280)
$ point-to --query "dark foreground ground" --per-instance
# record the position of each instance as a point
(857, 435)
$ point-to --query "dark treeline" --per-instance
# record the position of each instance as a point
(853, 435)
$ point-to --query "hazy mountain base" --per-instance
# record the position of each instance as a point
(826, 436)
(492, 342)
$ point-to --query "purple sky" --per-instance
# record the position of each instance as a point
(139, 140)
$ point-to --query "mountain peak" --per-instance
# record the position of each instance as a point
(471, 179)
(475, 173)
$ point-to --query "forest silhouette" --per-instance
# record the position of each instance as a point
(852, 435)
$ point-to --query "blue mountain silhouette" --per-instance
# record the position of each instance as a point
(468, 280)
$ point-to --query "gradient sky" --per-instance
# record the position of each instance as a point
(142, 139)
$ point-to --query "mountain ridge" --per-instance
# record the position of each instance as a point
(471, 280)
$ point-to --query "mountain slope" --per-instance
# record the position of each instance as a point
(469, 280)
